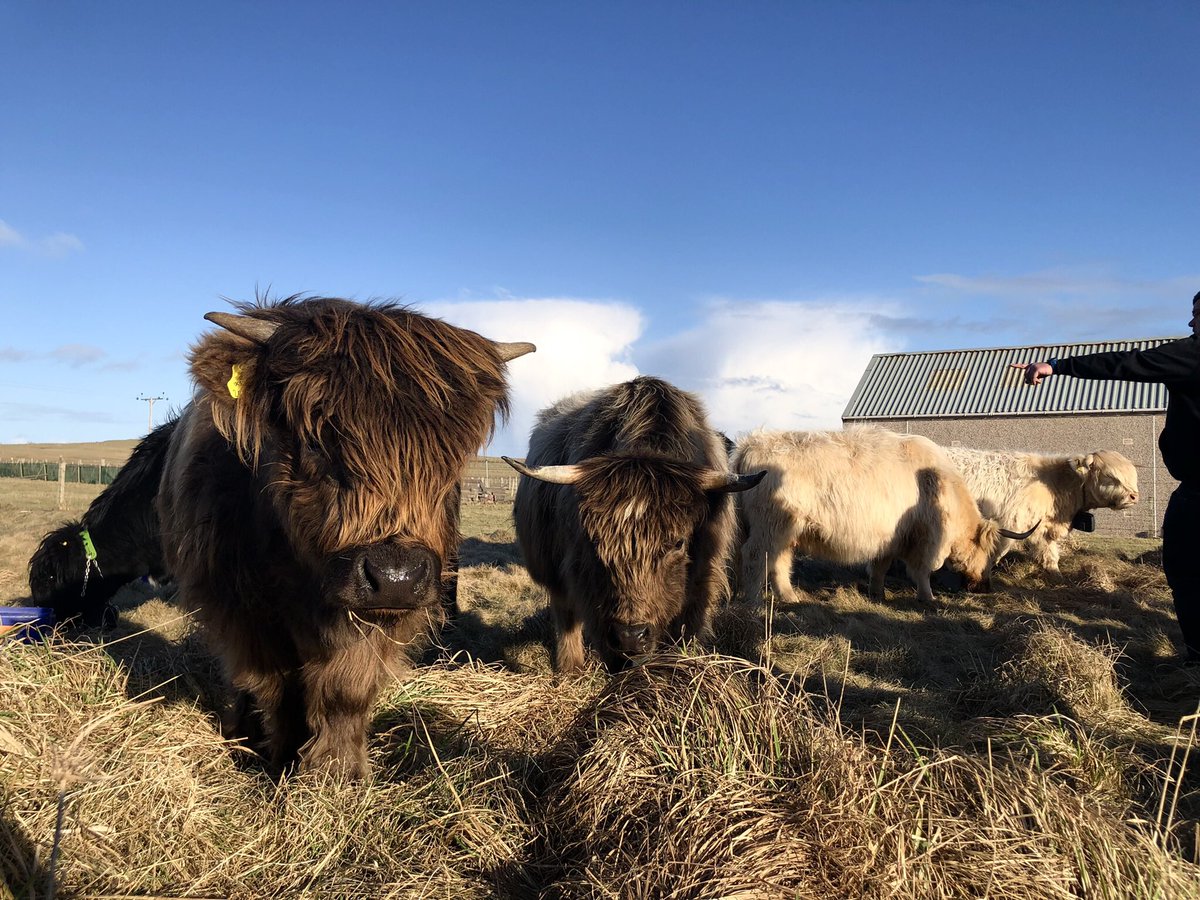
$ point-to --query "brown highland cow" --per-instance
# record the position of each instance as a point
(626, 519)
(309, 503)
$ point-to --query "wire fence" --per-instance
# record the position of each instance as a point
(78, 472)
(485, 480)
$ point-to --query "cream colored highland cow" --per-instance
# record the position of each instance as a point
(863, 495)
(1029, 487)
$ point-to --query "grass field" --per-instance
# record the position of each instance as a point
(112, 452)
(1034, 742)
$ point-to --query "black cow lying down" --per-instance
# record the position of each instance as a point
(119, 531)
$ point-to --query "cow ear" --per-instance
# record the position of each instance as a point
(1083, 464)
(224, 366)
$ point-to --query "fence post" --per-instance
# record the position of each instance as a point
(62, 484)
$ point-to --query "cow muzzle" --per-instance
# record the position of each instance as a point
(394, 577)
(632, 640)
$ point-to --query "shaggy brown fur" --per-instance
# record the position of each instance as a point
(633, 545)
(311, 519)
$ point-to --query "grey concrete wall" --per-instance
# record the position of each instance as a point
(1135, 435)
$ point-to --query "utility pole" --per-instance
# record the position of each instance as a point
(150, 413)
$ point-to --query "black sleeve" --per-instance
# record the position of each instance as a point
(1177, 362)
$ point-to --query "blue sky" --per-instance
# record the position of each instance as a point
(749, 199)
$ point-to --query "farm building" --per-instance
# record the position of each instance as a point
(971, 398)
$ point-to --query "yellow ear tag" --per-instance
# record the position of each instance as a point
(235, 382)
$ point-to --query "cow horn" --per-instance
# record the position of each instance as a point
(1020, 535)
(551, 474)
(511, 351)
(730, 482)
(256, 330)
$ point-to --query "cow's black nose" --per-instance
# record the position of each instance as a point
(397, 577)
(632, 638)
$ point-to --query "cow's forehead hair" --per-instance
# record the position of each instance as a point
(379, 385)
(631, 505)
(1117, 464)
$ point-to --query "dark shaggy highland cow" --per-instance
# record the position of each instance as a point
(122, 525)
(626, 519)
(309, 505)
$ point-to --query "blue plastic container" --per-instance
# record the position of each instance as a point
(27, 623)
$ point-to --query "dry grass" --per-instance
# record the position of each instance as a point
(1030, 743)
(112, 452)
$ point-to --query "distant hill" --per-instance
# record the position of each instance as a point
(112, 452)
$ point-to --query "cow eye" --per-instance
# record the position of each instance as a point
(679, 546)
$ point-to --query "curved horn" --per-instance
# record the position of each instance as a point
(1020, 535)
(511, 351)
(550, 474)
(730, 482)
(256, 330)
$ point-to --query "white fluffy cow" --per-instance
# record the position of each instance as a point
(1051, 489)
(863, 495)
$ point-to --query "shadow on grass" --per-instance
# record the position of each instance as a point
(476, 552)
(25, 869)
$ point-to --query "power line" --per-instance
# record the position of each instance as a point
(150, 413)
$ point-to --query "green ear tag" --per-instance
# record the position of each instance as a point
(89, 549)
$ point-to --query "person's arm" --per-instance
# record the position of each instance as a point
(1177, 362)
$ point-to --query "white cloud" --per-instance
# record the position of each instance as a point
(1068, 304)
(775, 364)
(9, 236)
(76, 355)
(581, 344)
(1066, 282)
(60, 244)
(778, 364)
(57, 245)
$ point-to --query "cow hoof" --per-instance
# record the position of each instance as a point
(341, 768)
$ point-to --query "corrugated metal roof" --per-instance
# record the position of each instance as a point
(948, 383)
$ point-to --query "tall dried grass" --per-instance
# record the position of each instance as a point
(1018, 745)
(685, 777)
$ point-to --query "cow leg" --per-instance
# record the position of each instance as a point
(767, 563)
(243, 723)
(708, 579)
(339, 693)
(877, 570)
(450, 589)
(695, 622)
(280, 699)
(1047, 550)
(781, 575)
(450, 579)
(920, 577)
(568, 634)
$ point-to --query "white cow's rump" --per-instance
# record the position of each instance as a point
(863, 495)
